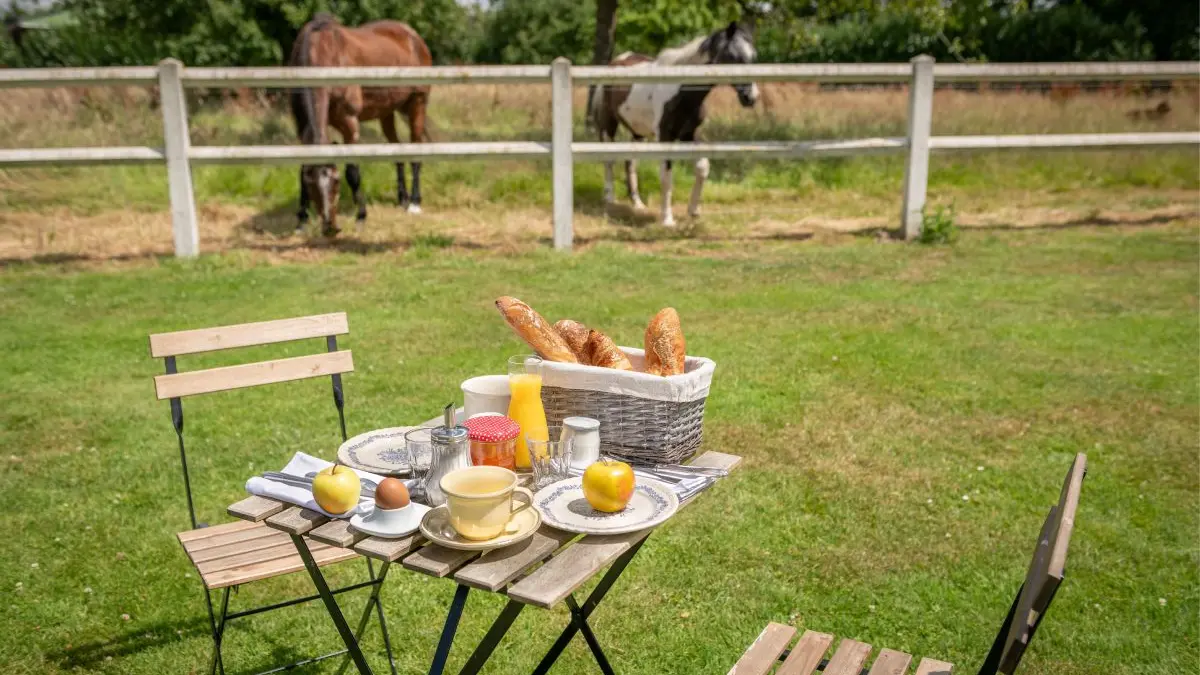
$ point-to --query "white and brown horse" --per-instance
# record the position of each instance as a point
(668, 112)
(325, 42)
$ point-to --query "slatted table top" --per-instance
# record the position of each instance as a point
(570, 559)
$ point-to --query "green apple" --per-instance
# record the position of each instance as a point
(336, 488)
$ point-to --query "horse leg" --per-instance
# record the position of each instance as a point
(388, 122)
(665, 178)
(701, 176)
(348, 126)
(416, 133)
(302, 214)
(631, 180)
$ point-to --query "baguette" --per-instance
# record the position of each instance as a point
(576, 336)
(603, 352)
(665, 346)
(534, 330)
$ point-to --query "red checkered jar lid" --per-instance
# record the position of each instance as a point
(492, 428)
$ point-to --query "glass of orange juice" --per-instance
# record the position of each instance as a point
(525, 406)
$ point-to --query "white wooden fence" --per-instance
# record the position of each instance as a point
(921, 73)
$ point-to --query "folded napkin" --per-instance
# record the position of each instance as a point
(300, 466)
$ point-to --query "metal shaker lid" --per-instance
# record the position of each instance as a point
(449, 433)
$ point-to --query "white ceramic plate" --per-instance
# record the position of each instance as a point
(564, 507)
(367, 523)
(436, 528)
(380, 451)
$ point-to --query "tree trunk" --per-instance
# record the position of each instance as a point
(606, 28)
(602, 48)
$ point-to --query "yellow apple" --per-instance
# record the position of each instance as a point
(336, 488)
(608, 485)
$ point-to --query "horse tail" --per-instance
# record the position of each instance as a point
(595, 96)
(310, 107)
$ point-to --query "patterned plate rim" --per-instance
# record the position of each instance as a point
(576, 482)
(344, 450)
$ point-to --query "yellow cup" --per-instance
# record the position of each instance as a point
(481, 500)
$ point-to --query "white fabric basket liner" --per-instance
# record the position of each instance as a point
(692, 385)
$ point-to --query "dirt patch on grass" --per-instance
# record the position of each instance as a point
(121, 236)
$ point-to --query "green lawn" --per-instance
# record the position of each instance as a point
(907, 414)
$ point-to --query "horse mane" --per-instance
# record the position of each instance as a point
(683, 54)
(303, 101)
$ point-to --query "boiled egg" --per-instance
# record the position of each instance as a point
(391, 494)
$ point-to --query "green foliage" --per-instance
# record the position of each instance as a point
(938, 227)
(224, 32)
(260, 32)
(538, 31)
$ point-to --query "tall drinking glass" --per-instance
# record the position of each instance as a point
(419, 445)
(525, 406)
(551, 458)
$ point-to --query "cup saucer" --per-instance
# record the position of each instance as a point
(436, 528)
(402, 525)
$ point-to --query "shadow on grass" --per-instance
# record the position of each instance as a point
(131, 642)
(95, 654)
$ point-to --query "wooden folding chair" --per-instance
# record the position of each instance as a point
(1028, 609)
(240, 552)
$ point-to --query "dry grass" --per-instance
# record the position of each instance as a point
(140, 236)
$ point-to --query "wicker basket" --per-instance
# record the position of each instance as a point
(643, 418)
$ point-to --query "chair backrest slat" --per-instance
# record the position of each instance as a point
(247, 335)
(1047, 569)
(252, 374)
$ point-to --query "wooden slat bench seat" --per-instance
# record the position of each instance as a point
(240, 552)
(850, 658)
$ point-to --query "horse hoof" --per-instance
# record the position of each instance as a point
(639, 205)
(331, 232)
(414, 209)
(668, 222)
(360, 217)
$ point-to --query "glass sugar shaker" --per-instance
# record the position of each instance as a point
(585, 445)
(450, 451)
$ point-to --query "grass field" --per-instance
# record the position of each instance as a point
(906, 413)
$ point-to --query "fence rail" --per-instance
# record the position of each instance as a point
(921, 74)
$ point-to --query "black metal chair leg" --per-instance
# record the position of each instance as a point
(588, 635)
(448, 630)
(588, 607)
(335, 612)
(372, 602)
(492, 639)
(218, 664)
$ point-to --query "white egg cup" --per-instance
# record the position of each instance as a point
(390, 523)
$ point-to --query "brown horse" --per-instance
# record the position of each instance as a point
(325, 42)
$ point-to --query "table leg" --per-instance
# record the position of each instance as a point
(331, 605)
(586, 610)
(593, 643)
(372, 603)
(448, 630)
(490, 641)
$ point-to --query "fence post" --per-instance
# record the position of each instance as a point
(563, 165)
(916, 169)
(179, 172)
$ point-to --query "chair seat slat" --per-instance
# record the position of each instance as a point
(934, 667)
(761, 656)
(807, 654)
(849, 658)
(890, 662)
(200, 340)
